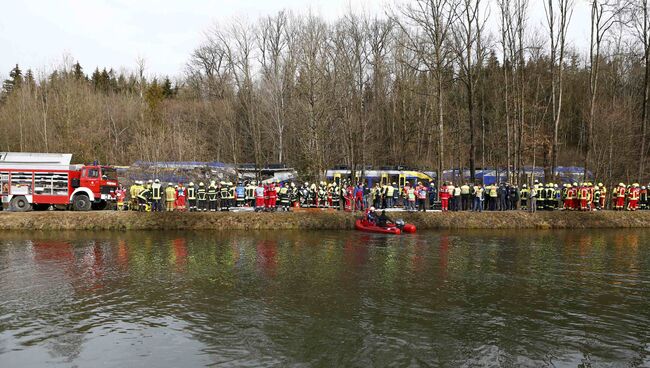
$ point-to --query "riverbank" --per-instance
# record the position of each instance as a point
(109, 220)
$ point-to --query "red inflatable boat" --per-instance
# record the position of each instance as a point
(364, 225)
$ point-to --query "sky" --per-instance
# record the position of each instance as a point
(40, 34)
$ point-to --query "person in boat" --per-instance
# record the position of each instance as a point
(383, 220)
(371, 215)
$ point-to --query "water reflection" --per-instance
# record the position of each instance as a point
(326, 298)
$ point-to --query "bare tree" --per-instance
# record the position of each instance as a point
(558, 19)
(467, 45)
(642, 27)
(276, 41)
(604, 14)
(428, 23)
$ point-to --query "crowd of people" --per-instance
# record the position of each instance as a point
(155, 196)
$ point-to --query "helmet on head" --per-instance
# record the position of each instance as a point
(372, 209)
(600, 184)
(201, 184)
(170, 184)
(191, 184)
(157, 181)
(621, 184)
(524, 186)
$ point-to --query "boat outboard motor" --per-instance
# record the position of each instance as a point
(399, 223)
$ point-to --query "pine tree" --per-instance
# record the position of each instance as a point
(168, 91)
(15, 80)
(30, 81)
(77, 71)
(95, 79)
(104, 81)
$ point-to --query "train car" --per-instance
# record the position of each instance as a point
(382, 176)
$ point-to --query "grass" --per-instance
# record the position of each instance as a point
(108, 220)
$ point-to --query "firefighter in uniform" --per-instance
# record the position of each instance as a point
(551, 202)
(212, 196)
(144, 196)
(541, 197)
(633, 198)
(525, 193)
(620, 197)
(643, 198)
(283, 194)
(232, 194)
(250, 194)
(567, 197)
(156, 196)
(223, 195)
(170, 197)
(596, 198)
(191, 197)
(134, 190)
(603, 196)
(201, 197)
(336, 196)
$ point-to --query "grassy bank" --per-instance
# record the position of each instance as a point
(107, 220)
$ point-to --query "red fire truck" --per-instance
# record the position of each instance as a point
(40, 180)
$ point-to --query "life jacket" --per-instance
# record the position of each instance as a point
(200, 194)
(156, 193)
(250, 192)
(411, 194)
(390, 190)
(422, 192)
(570, 193)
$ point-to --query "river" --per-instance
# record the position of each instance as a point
(451, 299)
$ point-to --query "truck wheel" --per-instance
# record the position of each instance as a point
(99, 206)
(20, 204)
(81, 202)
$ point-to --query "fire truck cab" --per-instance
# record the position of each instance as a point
(40, 180)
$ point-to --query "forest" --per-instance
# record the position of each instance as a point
(427, 85)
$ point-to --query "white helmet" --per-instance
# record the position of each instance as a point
(170, 184)
(372, 209)
(156, 181)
